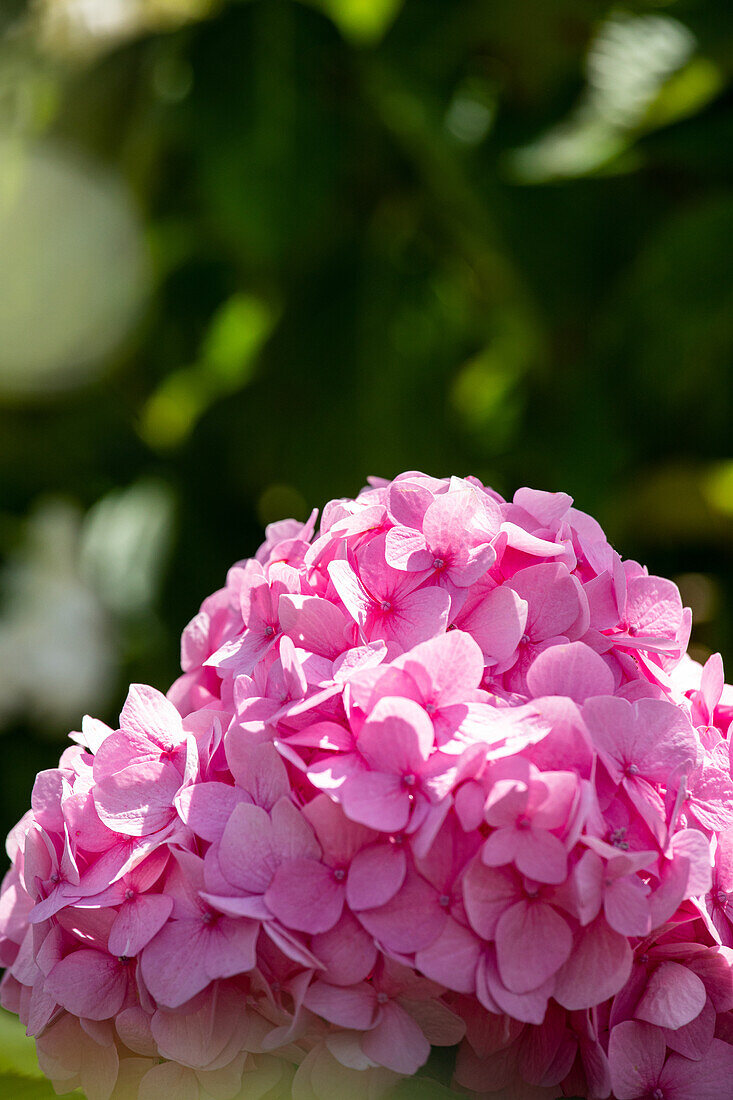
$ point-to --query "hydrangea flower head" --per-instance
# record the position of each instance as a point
(438, 773)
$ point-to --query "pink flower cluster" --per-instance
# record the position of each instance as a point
(440, 774)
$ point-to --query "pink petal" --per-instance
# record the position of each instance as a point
(417, 617)
(405, 549)
(149, 714)
(347, 952)
(487, 894)
(410, 921)
(375, 875)
(88, 983)
(305, 896)
(552, 597)
(498, 623)
(626, 907)
(206, 807)
(673, 997)
(314, 624)
(137, 922)
(693, 1040)
(598, 967)
(353, 1006)
(452, 958)
(541, 856)
(396, 1042)
(532, 943)
(708, 1079)
(397, 736)
(572, 670)
(636, 1054)
(377, 800)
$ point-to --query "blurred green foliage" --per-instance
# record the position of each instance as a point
(258, 250)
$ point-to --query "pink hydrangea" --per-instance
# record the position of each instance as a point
(437, 774)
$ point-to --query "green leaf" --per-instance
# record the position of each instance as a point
(17, 1051)
(363, 21)
(13, 1087)
(421, 1088)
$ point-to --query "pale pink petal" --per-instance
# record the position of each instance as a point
(405, 549)
(497, 623)
(314, 624)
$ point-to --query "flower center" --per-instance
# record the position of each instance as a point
(409, 780)
(382, 998)
(339, 874)
(269, 631)
(657, 1094)
(722, 897)
(129, 895)
(444, 901)
(438, 564)
(632, 769)
(430, 708)
(386, 606)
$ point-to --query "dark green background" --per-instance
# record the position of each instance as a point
(358, 192)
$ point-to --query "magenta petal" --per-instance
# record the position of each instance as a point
(673, 997)
(636, 1055)
(89, 983)
(305, 896)
(532, 943)
(397, 1043)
